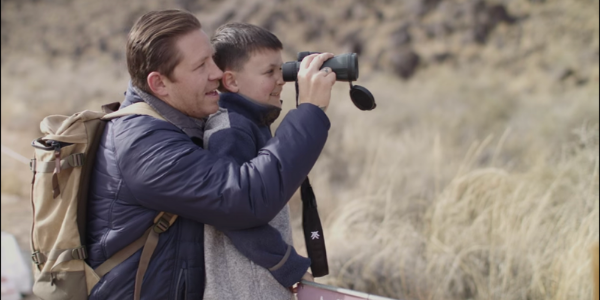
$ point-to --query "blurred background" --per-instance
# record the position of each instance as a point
(476, 177)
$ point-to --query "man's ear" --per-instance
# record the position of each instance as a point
(156, 84)
(229, 81)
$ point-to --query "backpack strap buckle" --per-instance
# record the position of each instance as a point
(163, 221)
(79, 253)
(37, 258)
(32, 165)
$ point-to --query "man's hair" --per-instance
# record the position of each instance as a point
(151, 44)
(235, 42)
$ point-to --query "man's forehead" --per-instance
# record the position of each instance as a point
(195, 46)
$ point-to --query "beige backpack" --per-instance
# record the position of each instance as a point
(62, 164)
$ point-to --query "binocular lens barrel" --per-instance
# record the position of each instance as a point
(345, 67)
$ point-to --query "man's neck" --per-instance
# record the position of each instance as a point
(191, 126)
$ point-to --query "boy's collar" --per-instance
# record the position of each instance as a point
(262, 114)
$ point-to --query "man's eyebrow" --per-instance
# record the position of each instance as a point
(201, 60)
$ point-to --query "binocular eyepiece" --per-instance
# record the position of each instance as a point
(345, 66)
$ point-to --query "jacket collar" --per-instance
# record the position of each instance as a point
(261, 114)
(193, 127)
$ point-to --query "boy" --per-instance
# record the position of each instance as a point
(251, 60)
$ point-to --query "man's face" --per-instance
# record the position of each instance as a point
(193, 90)
(261, 79)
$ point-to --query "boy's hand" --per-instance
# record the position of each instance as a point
(315, 84)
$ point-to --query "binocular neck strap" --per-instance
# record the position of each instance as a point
(311, 225)
(297, 92)
(313, 231)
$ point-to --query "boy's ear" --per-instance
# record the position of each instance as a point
(229, 81)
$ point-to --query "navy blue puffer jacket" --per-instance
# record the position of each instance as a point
(145, 165)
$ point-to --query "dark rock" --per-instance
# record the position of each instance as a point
(190, 5)
(351, 37)
(564, 74)
(442, 57)
(363, 10)
(357, 11)
(378, 60)
(438, 30)
(271, 22)
(355, 46)
(332, 31)
(581, 81)
(349, 14)
(252, 11)
(401, 36)
(102, 45)
(314, 29)
(405, 62)
(379, 15)
(301, 15)
(480, 33)
(227, 17)
(485, 19)
(498, 14)
(425, 6)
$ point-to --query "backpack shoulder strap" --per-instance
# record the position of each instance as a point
(148, 241)
(139, 108)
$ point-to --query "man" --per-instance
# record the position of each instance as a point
(146, 165)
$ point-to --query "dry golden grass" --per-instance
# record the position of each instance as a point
(472, 195)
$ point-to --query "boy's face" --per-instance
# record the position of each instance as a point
(260, 78)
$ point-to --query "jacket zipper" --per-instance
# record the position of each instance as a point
(181, 285)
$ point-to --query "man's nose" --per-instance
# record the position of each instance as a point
(216, 73)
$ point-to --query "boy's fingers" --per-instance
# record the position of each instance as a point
(307, 60)
(332, 77)
(318, 61)
(326, 70)
(328, 74)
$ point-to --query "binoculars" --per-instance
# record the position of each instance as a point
(345, 67)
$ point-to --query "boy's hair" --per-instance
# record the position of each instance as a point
(235, 42)
(151, 44)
